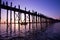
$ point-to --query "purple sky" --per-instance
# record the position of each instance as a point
(49, 8)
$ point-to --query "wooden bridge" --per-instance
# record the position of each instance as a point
(33, 17)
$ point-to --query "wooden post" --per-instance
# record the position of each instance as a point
(19, 21)
(33, 27)
(11, 20)
(25, 21)
(7, 19)
(33, 21)
(36, 20)
(0, 11)
(29, 21)
(0, 17)
(14, 23)
(41, 23)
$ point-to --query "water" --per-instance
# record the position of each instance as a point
(43, 32)
(53, 32)
(22, 29)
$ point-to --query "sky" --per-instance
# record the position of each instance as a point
(50, 8)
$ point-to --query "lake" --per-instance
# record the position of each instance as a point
(43, 31)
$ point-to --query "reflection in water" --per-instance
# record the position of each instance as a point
(41, 34)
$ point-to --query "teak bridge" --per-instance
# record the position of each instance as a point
(34, 16)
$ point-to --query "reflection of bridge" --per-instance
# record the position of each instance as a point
(33, 17)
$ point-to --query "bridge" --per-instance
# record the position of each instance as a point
(33, 17)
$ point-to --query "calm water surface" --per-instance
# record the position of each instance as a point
(52, 32)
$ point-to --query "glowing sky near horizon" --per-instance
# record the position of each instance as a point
(49, 8)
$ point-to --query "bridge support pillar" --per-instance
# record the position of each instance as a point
(41, 22)
(36, 20)
(14, 23)
(25, 21)
(7, 19)
(0, 11)
(19, 22)
(29, 22)
(32, 23)
(0, 17)
(11, 21)
(33, 28)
